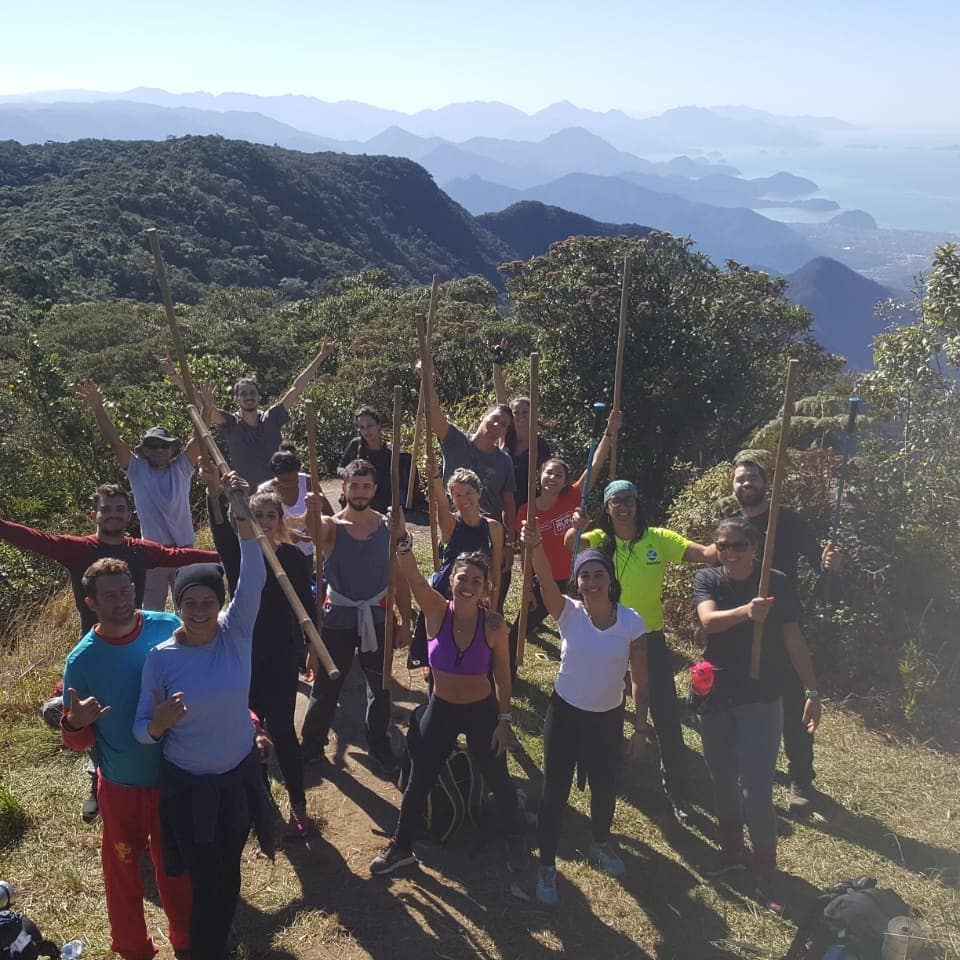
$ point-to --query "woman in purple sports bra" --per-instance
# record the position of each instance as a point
(467, 645)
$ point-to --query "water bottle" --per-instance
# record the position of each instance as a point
(71, 951)
(8, 893)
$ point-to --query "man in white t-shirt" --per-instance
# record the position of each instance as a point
(160, 475)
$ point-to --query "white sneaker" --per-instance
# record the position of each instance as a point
(606, 857)
(547, 886)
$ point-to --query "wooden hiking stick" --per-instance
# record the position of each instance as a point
(618, 366)
(188, 387)
(415, 452)
(770, 540)
(311, 411)
(390, 624)
(240, 504)
(424, 336)
(531, 506)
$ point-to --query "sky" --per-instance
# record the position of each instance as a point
(867, 61)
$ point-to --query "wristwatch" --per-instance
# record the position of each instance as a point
(813, 694)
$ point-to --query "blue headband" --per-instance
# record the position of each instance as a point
(619, 486)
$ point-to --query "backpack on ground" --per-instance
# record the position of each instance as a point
(458, 794)
(20, 939)
(854, 913)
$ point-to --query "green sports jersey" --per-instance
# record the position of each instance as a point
(640, 566)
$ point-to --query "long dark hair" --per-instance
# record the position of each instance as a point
(609, 543)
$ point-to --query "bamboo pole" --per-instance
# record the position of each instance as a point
(531, 505)
(618, 366)
(240, 504)
(425, 338)
(178, 347)
(311, 412)
(389, 624)
(415, 452)
(770, 542)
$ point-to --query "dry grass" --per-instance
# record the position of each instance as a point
(893, 812)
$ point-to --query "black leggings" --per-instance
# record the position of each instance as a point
(440, 725)
(273, 698)
(595, 740)
(214, 871)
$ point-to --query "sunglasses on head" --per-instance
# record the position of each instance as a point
(737, 546)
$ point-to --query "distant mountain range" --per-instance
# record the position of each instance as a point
(721, 233)
(681, 129)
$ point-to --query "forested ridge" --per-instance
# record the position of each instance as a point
(232, 213)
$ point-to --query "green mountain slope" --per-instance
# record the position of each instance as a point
(231, 213)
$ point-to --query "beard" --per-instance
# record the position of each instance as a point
(750, 497)
(358, 503)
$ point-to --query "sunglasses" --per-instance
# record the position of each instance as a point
(737, 546)
(156, 445)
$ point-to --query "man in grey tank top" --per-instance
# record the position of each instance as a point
(355, 545)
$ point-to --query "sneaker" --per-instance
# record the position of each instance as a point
(518, 859)
(547, 886)
(724, 861)
(90, 809)
(299, 826)
(606, 857)
(383, 755)
(801, 799)
(764, 889)
(391, 858)
(681, 811)
(312, 753)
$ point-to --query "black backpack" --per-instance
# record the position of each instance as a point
(20, 939)
(458, 794)
(854, 913)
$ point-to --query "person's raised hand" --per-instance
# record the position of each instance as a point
(579, 521)
(232, 482)
(529, 535)
(89, 392)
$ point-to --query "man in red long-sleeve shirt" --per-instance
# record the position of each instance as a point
(110, 511)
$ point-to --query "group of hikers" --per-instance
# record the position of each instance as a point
(181, 711)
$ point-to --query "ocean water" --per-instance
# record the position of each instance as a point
(903, 187)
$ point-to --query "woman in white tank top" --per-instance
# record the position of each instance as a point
(599, 640)
(292, 487)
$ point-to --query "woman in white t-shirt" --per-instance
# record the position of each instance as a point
(599, 639)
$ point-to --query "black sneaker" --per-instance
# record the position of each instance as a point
(391, 858)
(800, 803)
(518, 858)
(312, 753)
(90, 809)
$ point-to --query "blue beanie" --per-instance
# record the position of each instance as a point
(593, 556)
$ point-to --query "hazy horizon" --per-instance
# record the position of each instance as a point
(870, 63)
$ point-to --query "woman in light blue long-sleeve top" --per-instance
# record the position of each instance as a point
(193, 696)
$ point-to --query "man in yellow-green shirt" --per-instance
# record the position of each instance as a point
(640, 556)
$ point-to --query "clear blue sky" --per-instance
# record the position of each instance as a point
(879, 61)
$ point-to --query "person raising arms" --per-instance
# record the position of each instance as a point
(640, 555)
(253, 434)
(467, 645)
(194, 696)
(599, 639)
(462, 530)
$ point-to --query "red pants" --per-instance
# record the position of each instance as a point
(131, 825)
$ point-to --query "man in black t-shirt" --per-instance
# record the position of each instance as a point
(796, 538)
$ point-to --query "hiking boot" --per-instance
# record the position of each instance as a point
(391, 858)
(725, 860)
(299, 826)
(383, 755)
(90, 809)
(518, 859)
(547, 886)
(800, 803)
(606, 857)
